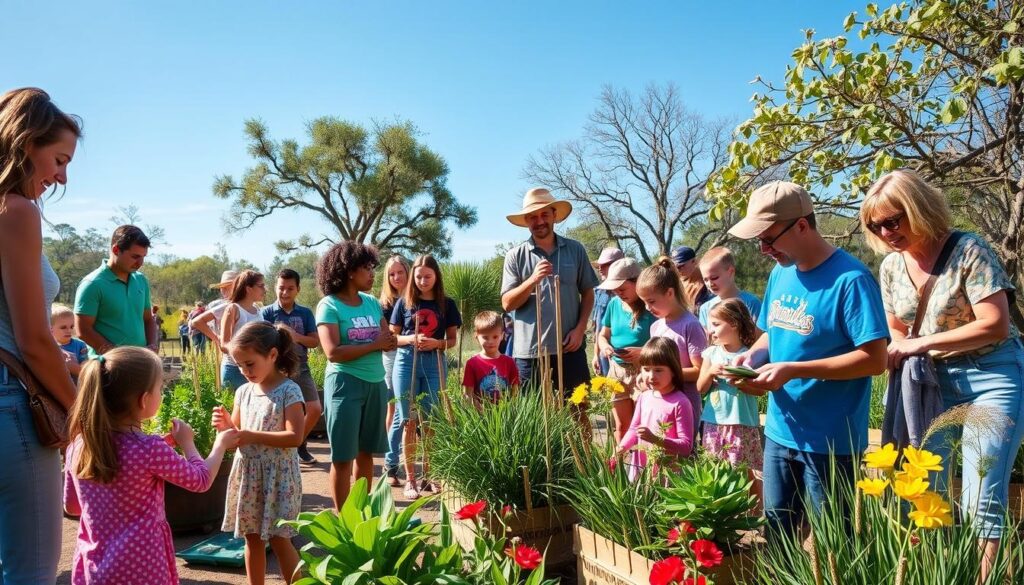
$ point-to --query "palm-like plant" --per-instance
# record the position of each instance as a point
(475, 286)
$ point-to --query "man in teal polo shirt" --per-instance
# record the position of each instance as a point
(112, 305)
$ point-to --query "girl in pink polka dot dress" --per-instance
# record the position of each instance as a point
(265, 486)
(114, 473)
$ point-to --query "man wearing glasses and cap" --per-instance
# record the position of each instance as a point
(529, 267)
(825, 336)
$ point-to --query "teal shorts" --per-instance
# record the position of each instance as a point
(354, 411)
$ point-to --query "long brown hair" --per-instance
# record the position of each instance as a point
(662, 351)
(636, 307)
(660, 277)
(27, 118)
(735, 313)
(107, 390)
(388, 293)
(242, 282)
(412, 292)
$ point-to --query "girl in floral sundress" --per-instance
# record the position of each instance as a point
(265, 484)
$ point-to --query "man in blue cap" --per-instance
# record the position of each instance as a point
(697, 293)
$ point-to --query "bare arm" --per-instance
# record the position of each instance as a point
(991, 325)
(518, 296)
(201, 323)
(866, 360)
(227, 326)
(21, 246)
(691, 373)
(706, 378)
(86, 326)
(152, 328)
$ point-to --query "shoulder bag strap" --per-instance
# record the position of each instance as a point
(937, 268)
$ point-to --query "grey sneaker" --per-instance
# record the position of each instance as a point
(304, 455)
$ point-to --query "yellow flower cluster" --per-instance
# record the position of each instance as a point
(909, 483)
(599, 385)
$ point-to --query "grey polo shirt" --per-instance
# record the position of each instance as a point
(569, 261)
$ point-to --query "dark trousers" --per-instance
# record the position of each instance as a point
(577, 370)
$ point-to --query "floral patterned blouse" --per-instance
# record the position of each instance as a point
(972, 274)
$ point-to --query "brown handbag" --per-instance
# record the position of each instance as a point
(48, 416)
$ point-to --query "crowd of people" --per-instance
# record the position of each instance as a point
(691, 350)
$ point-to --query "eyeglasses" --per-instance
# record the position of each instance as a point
(890, 223)
(770, 243)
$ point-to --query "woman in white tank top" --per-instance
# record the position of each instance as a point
(249, 288)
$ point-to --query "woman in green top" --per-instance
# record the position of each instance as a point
(353, 336)
(625, 328)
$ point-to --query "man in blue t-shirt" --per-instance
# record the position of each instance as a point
(825, 337)
(302, 325)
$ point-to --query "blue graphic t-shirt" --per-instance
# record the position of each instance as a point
(824, 312)
(77, 348)
(301, 321)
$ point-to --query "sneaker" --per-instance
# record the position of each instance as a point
(392, 474)
(304, 455)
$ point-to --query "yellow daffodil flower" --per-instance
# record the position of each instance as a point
(922, 459)
(579, 394)
(873, 487)
(910, 490)
(884, 458)
(909, 473)
(931, 511)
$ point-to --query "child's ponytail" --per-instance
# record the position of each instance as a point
(662, 276)
(107, 388)
(262, 337)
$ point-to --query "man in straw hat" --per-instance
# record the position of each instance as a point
(601, 299)
(530, 267)
(201, 322)
(824, 337)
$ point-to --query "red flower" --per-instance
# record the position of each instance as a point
(914, 540)
(526, 557)
(668, 571)
(706, 552)
(687, 527)
(700, 580)
(612, 463)
(673, 536)
(471, 511)
(506, 510)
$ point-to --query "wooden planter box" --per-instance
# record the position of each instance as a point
(603, 562)
(190, 511)
(543, 528)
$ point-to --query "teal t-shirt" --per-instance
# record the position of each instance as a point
(116, 305)
(618, 317)
(725, 404)
(357, 326)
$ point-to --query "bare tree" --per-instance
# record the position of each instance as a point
(640, 168)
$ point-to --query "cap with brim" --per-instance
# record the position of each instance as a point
(226, 278)
(683, 254)
(536, 200)
(608, 255)
(769, 204)
(619, 272)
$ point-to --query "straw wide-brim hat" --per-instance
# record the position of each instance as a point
(226, 278)
(537, 199)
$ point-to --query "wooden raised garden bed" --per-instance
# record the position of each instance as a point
(543, 528)
(603, 562)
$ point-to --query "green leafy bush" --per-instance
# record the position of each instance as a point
(713, 496)
(192, 398)
(371, 542)
(481, 453)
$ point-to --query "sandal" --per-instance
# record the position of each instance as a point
(410, 492)
(429, 487)
(392, 475)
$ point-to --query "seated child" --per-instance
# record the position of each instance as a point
(62, 327)
(489, 373)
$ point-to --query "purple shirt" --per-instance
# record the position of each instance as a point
(691, 339)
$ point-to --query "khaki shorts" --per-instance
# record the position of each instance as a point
(627, 375)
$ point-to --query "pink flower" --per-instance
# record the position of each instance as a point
(471, 511)
(706, 552)
(673, 536)
(506, 510)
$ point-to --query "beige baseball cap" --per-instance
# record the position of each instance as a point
(619, 272)
(777, 201)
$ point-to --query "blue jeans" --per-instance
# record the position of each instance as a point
(795, 480)
(426, 383)
(231, 377)
(30, 495)
(992, 381)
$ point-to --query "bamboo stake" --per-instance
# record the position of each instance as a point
(526, 489)
(540, 337)
(462, 311)
(441, 386)
(413, 414)
(558, 335)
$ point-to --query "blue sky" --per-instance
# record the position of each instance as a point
(164, 89)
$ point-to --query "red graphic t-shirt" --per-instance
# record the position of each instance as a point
(490, 378)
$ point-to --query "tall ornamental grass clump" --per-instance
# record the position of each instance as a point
(481, 454)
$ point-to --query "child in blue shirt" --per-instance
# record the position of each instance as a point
(62, 326)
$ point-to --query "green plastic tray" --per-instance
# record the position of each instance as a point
(221, 550)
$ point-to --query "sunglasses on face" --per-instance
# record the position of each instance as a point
(890, 223)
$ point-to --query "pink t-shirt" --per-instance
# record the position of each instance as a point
(691, 339)
(654, 409)
(123, 535)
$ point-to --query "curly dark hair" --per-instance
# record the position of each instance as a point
(333, 268)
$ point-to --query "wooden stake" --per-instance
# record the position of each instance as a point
(413, 415)
(540, 338)
(526, 488)
(558, 335)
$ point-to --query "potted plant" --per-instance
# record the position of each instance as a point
(512, 453)
(191, 398)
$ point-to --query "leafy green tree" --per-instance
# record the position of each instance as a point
(305, 264)
(640, 168)
(380, 186)
(73, 255)
(937, 88)
(183, 281)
